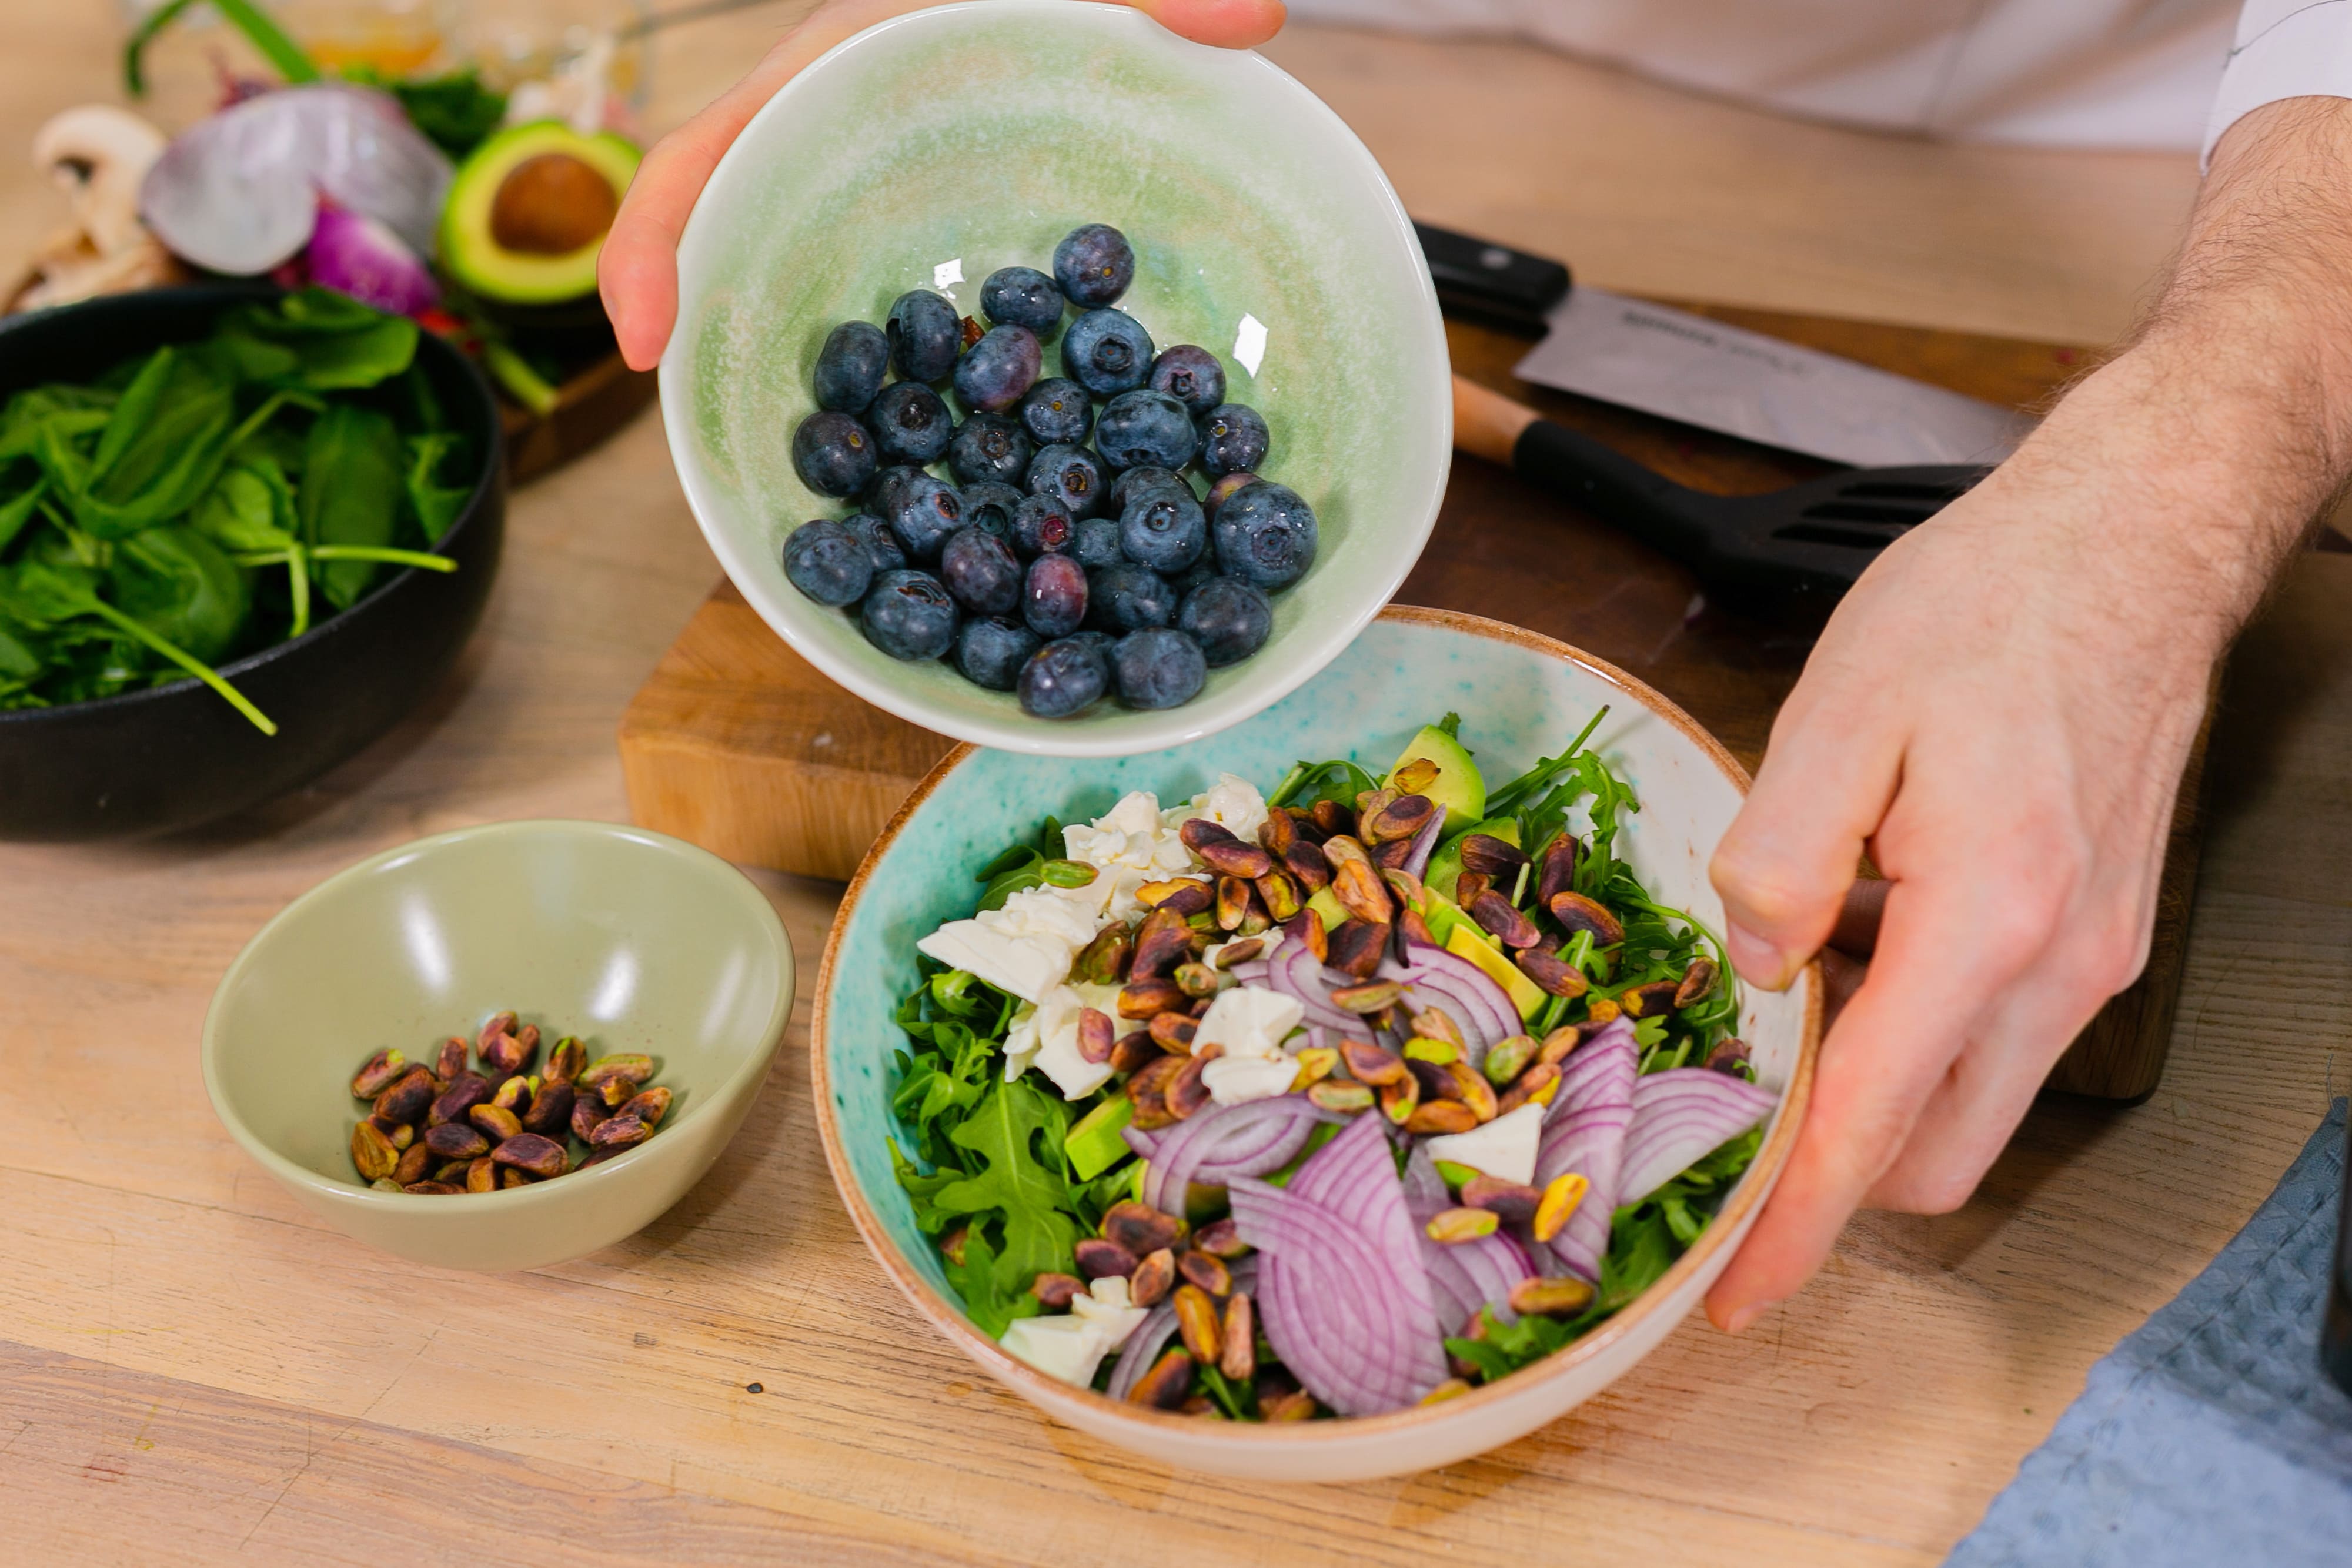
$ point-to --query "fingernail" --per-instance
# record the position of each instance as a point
(1759, 962)
(1747, 1315)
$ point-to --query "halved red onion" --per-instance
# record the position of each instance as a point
(1222, 1142)
(1680, 1116)
(239, 190)
(1585, 1132)
(363, 258)
(1345, 1293)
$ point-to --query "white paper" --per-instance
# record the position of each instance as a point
(1704, 372)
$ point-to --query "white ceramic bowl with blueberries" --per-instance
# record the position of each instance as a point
(1054, 382)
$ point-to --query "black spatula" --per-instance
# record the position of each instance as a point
(1806, 544)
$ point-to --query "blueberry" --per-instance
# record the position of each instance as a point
(1193, 376)
(925, 335)
(1232, 439)
(1063, 677)
(1094, 264)
(1158, 667)
(1136, 480)
(1053, 598)
(833, 454)
(828, 561)
(1182, 583)
(1145, 429)
(1106, 352)
(909, 616)
(980, 572)
(1265, 535)
(1225, 486)
(990, 650)
(1042, 525)
(990, 446)
(927, 513)
(910, 424)
(879, 541)
(1162, 529)
(1096, 545)
(1228, 617)
(850, 366)
(990, 507)
(1128, 598)
(1022, 296)
(995, 372)
(1057, 412)
(1070, 476)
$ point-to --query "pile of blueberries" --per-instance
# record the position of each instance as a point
(1050, 568)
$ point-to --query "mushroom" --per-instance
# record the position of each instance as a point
(97, 154)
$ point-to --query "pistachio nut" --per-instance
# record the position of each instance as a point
(1559, 1044)
(1455, 1226)
(1603, 1011)
(499, 1024)
(951, 1244)
(531, 1153)
(1473, 1090)
(1316, 1063)
(1097, 1035)
(1232, 903)
(456, 1141)
(1416, 931)
(501, 1053)
(1368, 801)
(1238, 1359)
(1279, 896)
(1362, 893)
(1510, 1200)
(1397, 821)
(416, 1163)
(1163, 941)
(1220, 1238)
(1452, 1388)
(1205, 1271)
(495, 1123)
(466, 1091)
(1490, 856)
(1172, 1032)
(1400, 1100)
(1504, 922)
(1147, 998)
(1538, 1083)
(1372, 1064)
(1436, 1023)
(1066, 873)
(482, 1175)
(1296, 1406)
(1220, 851)
(378, 1073)
(1183, 895)
(401, 1134)
(1196, 1323)
(1551, 974)
(1101, 1259)
(1306, 929)
(514, 1095)
(1656, 999)
(1239, 951)
(373, 1154)
(598, 1156)
(1163, 1387)
(1697, 984)
(1370, 998)
(1357, 948)
(1186, 1092)
(634, 1066)
(1506, 1059)
(1278, 832)
(1408, 888)
(407, 1099)
(1414, 776)
(1141, 1228)
(1056, 1292)
(1196, 980)
(1561, 1297)
(550, 1110)
(1469, 884)
(647, 1106)
(1559, 1201)
(1338, 1095)
(587, 1111)
(1104, 960)
(1154, 1277)
(385, 1184)
(1308, 866)
(1333, 817)
(454, 1172)
(1440, 1116)
(1436, 1053)
(1729, 1056)
(618, 1131)
(1132, 1050)
(615, 1091)
(1556, 869)
(566, 1062)
(432, 1189)
(1577, 912)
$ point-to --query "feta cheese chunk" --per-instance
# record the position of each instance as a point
(1232, 803)
(1066, 1346)
(1024, 966)
(1249, 1022)
(1128, 846)
(1108, 1307)
(1505, 1148)
(1238, 1079)
(1058, 1038)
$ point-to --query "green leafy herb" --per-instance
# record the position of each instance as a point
(1307, 782)
(283, 53)
(455, 110)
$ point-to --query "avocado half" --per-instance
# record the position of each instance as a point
(528, 212)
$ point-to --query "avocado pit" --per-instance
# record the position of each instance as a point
(553, 204)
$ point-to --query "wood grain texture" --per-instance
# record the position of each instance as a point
(161, 1291)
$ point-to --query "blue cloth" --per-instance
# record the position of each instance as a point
(2209, 1436)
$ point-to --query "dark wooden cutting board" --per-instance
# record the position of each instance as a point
(736, 743)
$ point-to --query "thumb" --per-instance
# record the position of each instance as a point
(1228, 24)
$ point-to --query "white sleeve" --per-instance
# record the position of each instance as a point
(2285, 49)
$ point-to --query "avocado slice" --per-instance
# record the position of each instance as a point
(1094, 1145)
(528, 212)
(1468, 942)
(1327, 903)
(1444, 873)
(1459, 787)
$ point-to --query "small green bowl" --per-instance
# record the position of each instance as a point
(631, 940)
(959, 139)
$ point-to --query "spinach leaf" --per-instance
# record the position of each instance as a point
(436, 504)
(319, 339)
(352, 482)
(455, 110)
(184, 588)
(162, 448)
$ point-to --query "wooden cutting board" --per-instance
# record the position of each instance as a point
(737, 744)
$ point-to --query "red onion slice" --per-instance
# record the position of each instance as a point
(1680, 1116)
(1222, 1142)
(1142, 1347)
(1469, 995)
(1294, 972)
(1424, 843)
(1463, 1276)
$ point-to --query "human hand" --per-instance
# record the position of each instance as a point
(636, 271)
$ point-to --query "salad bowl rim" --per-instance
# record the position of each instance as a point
(1751, 1190)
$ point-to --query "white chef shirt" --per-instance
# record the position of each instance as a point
(2166, 74)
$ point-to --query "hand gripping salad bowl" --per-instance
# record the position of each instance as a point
(1346, 1094)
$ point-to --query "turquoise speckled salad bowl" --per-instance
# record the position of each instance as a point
(1520, 696)
(934, 148)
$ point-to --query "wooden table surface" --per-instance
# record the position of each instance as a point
(192, 1370)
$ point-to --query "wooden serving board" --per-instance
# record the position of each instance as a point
(737, 744)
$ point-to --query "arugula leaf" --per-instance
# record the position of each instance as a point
(1307, 782)
(1021, 1192)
